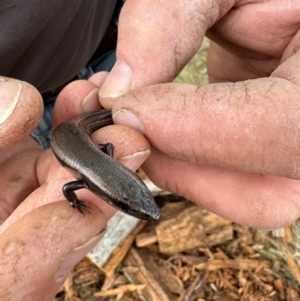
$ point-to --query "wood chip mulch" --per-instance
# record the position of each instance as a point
(190, 255)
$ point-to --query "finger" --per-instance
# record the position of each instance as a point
(232, 31)
(255, 200)
(16, 149)
(17, 174)
(21, 109)
(98, 78)
(163, 36)
(225, 66)
(244, 53)
(77, 97)
(248, 126)
(54, 236)
(20, 112)
(130, 146)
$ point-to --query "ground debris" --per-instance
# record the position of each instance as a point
(189, 255)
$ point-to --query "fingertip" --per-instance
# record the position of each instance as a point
(98, 78)
(129, 119)
(75, 256)
(117, 83)
(134, 161)
(20, 111)
(91, 101)
(75, 98)
(55, 236)
(10, 92)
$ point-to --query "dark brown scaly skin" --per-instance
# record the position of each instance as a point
(97, 170)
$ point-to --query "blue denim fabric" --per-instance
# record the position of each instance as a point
(42, 133)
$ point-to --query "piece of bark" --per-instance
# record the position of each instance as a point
(211, 221)
(180, 233)
(190, 229)
(159, 278)
(223, 235)
(120, 290)
(118, 255)
(169, 211)
(293, 266)
(237, 263)
(146, 239)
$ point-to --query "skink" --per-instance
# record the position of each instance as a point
(95, 169)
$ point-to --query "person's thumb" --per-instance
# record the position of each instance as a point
(39, 250)
(21, 108)
(156, 39)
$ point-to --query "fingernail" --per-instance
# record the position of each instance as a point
(10, 92)
(75, 256)
(126, 117)
(91, 101)
(118, 81)
(133, 162)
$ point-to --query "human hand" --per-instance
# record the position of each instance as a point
(41, 239)
(21, 110)
(39, 243)
(231, 147)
